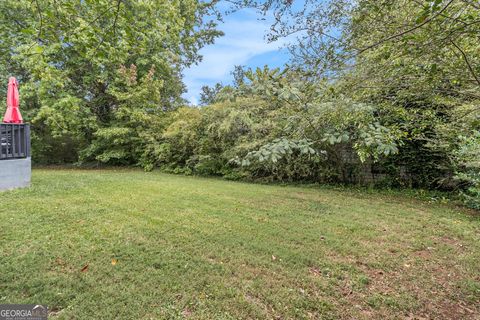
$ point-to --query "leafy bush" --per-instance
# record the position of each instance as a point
(468, 172)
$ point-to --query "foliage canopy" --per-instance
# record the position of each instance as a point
(71, 59)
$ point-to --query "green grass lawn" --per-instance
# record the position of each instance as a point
(124, 244)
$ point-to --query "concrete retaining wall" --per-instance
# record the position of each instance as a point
(15, 173)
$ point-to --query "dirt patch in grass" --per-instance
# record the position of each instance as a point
(426, 293)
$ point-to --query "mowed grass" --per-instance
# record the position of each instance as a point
(124, 244)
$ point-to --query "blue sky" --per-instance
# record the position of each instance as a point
(244, 43)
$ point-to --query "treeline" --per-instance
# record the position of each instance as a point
(276, 126)
(377, 92)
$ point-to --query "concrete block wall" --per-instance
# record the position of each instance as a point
(15, 173)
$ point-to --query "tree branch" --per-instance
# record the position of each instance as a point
(469, 2)
(41, 21)
(398, 35)
(116, 17)
(465, 58)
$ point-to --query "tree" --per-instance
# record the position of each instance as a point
(209, 94)
(67, 55)
(437, 38)
(238, 74)
(415, 61)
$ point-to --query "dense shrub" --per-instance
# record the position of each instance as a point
(276, 127)
(468, 171)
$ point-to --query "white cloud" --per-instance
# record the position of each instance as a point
(244, 39)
